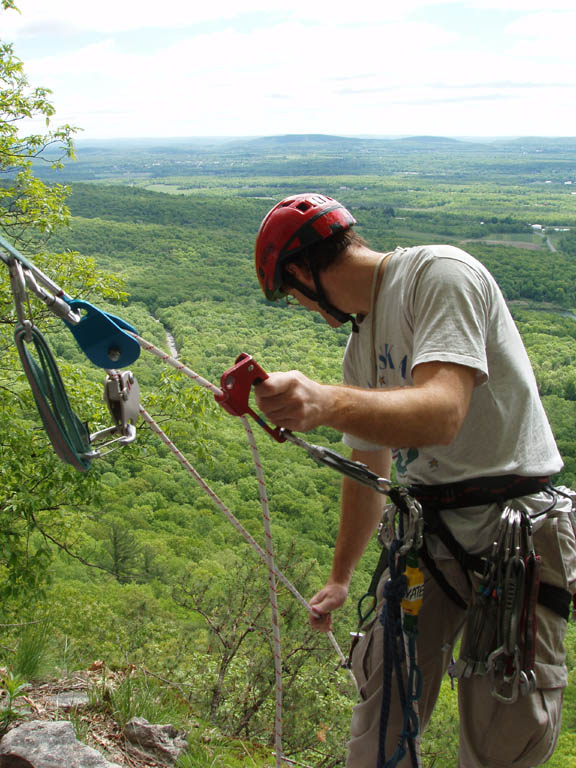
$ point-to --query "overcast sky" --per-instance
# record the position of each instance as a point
(163, 68)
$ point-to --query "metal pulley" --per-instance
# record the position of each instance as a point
(122, 396)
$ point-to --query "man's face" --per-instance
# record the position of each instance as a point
(312, 306)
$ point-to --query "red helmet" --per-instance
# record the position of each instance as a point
(295, 223)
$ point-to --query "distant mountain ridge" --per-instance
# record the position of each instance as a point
(316, 141)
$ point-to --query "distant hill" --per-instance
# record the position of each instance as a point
(315, 142)
(319, 154)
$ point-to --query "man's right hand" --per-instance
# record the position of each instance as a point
(330, 598)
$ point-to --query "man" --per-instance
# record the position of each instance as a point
(436, 372)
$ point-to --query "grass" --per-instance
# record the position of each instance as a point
(139, 696)
(32, 651)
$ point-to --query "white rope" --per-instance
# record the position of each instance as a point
(149, 347)
(235, 522)
(271, 587)
(176, 364)
(266, 555)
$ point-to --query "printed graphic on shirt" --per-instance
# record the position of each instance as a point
(403, 457)
(389, 362)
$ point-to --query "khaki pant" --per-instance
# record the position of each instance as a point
(492, 734)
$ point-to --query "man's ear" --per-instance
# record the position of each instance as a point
(299, 271)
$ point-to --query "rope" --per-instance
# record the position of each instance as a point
(399, 653)
(266, 555)
(69, 436)
(235, 522)
(271, 584)
(177, 365)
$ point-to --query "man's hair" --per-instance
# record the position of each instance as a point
(323, 253)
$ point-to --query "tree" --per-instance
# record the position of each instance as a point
(40, 498)
(28, 207)
(123, 552)
(235, 659)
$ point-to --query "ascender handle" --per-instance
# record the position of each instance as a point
(236, 384)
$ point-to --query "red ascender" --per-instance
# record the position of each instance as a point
(236, 384)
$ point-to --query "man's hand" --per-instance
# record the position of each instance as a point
(291, 400)
(330, 598)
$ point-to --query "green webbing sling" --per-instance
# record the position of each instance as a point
(69, 436)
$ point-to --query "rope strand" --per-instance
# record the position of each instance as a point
(270, 564)
(235, 522)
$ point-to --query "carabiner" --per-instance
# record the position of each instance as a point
(18, 286)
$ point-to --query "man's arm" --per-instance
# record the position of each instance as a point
(360, 514)
(430, 412)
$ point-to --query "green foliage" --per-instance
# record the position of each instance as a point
(40, 500)
(27, 205)
(212, 749)
(567, 243)
(140, 696)
(12, 688)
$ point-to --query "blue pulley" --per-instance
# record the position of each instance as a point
(103, 337)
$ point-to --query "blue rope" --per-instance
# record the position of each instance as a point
(69, 436)
(394, 659)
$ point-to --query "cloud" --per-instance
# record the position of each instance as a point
(65, 18)
(317, 67)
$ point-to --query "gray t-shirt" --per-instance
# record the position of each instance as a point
(438, 304)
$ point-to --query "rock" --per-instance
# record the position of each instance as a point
(67, 700)
(161, 741)
(45, 744)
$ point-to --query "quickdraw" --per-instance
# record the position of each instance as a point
(501, 636)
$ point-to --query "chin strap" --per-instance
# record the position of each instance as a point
(320, 298)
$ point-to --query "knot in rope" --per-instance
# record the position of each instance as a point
(394, 590)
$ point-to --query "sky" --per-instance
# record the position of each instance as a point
(180, 68)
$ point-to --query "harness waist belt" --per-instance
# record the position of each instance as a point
(470, 493)
(477, 491)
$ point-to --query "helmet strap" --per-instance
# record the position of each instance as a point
(319, 297)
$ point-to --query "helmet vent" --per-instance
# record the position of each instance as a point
(303, 207)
